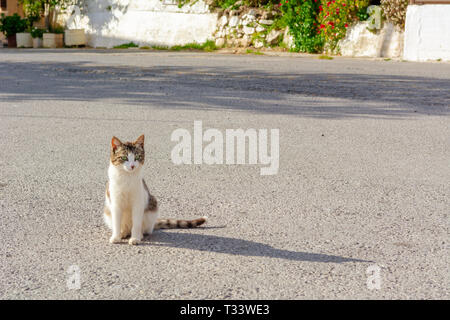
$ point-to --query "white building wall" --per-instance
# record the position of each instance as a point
(427, 32)
(145, 22)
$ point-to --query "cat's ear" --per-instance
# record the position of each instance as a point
(140, 141)
(115, 143)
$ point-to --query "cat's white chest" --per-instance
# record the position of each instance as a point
(125, 189)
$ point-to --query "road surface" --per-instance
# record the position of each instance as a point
(358, 209)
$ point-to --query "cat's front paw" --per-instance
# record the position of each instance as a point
(134, 241)
(114, 239)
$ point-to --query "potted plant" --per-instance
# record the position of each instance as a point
(10, 26)
(24, 40)
(48, 9)
(32, 10)
(54, 38)
(37, 35)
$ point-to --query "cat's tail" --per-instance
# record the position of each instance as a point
(174, 224)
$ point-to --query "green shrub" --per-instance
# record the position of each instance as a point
(395, 11)
(362, 14)
(10, 25)
(301, 18)
(32, 9)
(336, 16)
(234, 4)
(37, 33)
(56, 29)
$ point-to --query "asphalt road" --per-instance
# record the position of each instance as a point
(363, 179)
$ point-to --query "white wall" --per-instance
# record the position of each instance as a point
(360, 42)
(427, 32)
(145, 22)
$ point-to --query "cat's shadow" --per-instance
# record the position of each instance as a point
(234, 246)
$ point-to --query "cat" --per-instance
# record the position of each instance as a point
(130, 209)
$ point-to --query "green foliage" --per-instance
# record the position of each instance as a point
(227, 4)
(257, 52)
(209, 45)
(10, 25)
(32, 9)
(234, 4)
(35, 9)
(39, 5)
(336, 16)
(301, 18)
(362, 14)
(325, 57)
(126, 46)
(56, 29)
(37, 33)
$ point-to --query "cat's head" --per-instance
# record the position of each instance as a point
(128, 156)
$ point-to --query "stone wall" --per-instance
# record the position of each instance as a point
(246, 27)
(157, 22)
(360, 42)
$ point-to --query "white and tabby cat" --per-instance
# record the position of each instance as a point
(130, 209)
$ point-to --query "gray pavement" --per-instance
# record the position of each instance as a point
(363, 179)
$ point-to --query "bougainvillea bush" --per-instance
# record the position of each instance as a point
(395, 11)
(336, 16)
(301, 17)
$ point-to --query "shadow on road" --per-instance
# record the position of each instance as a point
(235, 246)
(218, 88)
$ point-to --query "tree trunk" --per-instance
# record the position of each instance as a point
(12, 41)
(47, 16)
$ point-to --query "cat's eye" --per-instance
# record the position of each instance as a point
(124, 158)
(138, 158)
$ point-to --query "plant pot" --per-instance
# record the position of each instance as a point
(74, 37)
(53, 40)
(24, 40)
(37, 43)
(12, 41)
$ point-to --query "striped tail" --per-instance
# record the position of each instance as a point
(175, 224)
